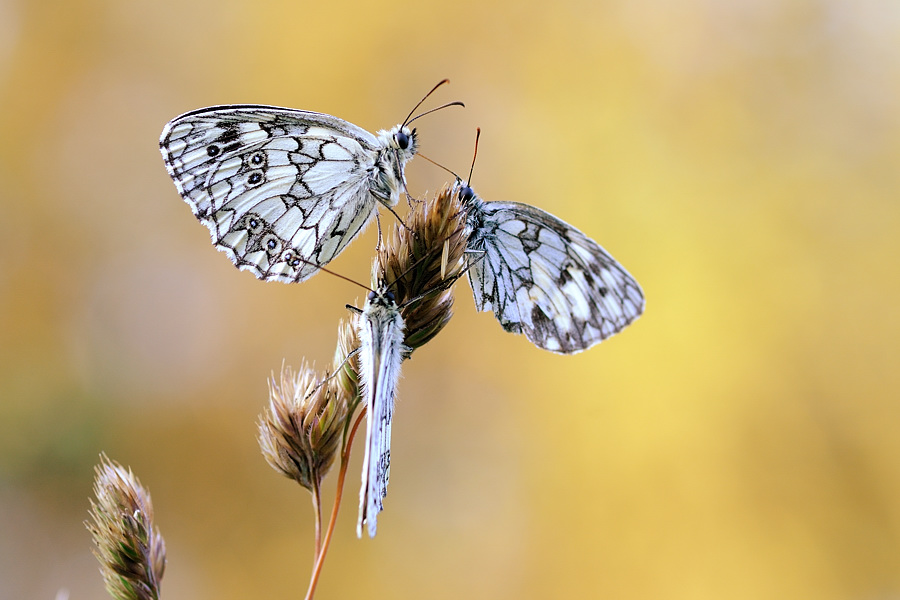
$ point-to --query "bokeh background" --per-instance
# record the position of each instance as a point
(739, 441)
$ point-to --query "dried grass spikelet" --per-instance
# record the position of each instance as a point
(347, 369)
(425, 255)
(300, 431)
(131, 551)
(433, 241)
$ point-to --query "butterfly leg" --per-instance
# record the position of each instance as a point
(446, 284)
(411, 200)
(399, 220)
(478, 254)
(378, 224)
(336, 371)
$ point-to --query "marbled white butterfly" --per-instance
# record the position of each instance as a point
(381, 330)
(283, 191)
(544, 278)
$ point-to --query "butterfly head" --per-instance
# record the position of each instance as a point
(465, 192)
(403, 140)
(398, 146)
(466, 196)
(381, 297)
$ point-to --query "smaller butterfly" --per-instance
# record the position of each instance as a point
(544, 278)
(284, 191)
(382, 329)
(381, 333)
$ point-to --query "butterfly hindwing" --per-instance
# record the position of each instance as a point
(280, 188)
(544, 278)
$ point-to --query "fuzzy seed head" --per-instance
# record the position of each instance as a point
(300, 432)
(347, 369)
(425, 255)
(131, 551)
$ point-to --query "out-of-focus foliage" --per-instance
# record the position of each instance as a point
(738, 441)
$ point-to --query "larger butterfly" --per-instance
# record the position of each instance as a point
(283, 191)
(544, 278)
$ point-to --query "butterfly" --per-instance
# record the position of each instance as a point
(381, 333)
(284, 191)
(544, 278)
(410, 304)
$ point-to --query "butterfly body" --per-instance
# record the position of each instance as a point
(544, 278)
(381, 333)
(283, 191)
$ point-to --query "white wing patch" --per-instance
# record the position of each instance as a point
(282, 191)
(544, 278)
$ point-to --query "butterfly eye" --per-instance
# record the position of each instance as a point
(466, 194)
(389, 295)
(402, 140)
(371, 296)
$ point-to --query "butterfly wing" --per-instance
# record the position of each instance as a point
(276, 187)
(381, 346)
(544, 278)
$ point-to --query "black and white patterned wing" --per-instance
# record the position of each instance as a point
(544, 278)
(274, 185)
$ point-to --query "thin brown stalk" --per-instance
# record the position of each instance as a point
(345, 462)
(317, 509)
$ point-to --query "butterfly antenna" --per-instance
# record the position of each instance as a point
(330, 272)
(410, 118)
(336, 369)
(416, 107)
(345, 278)
(474, 156)
(457, 103)
(437, 164)
(408, 269)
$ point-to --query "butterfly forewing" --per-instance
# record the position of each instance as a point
(544, 278)
(282, 191)
(381, 330)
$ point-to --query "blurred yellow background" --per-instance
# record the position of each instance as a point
(740, 440)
